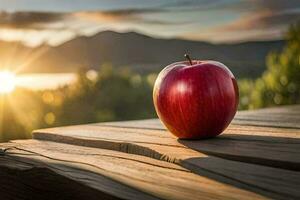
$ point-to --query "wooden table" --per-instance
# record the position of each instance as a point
(257, 157)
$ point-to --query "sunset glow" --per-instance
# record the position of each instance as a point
(7, 82)
(230, 21)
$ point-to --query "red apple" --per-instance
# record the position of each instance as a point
(196, 99)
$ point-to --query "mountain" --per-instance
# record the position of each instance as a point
(141, 53)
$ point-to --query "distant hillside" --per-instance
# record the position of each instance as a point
(139, 52)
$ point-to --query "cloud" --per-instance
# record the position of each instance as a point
(258, 20)
(29, 20)
(194, 4)
(44, 20)
(275, 5)
(113, 15)
(256, 5)
(262, 20)
(258, 16)
(269, 16)
(126, 15)
(132, 12)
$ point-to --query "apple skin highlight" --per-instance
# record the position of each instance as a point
(196, 99)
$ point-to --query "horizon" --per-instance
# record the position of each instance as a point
(221, 21)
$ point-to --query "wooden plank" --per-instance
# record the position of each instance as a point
(285, 116)
(154, 124)
(125, 175)
(281, 117)
(282, 110)
(266, 146)
(161, 145)
(23, 181)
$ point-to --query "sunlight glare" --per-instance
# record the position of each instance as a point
(7, 82)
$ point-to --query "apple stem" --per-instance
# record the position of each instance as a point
(188, 58)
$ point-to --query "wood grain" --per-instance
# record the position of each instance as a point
(257, 157)
(124, 175)
(162, 146)
(281, 117)
(273, 147)
(23, 181)
(285, 117)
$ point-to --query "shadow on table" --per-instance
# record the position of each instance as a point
(279, 152)
(43, 184)
(276, 152)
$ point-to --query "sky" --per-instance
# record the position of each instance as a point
(35, 22)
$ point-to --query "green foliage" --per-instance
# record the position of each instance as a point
(106, 95)
(280, 83)
(20, 113)
(245, 85)
(113, 95)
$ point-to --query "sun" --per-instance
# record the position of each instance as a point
(7, 82)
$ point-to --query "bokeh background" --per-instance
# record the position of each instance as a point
(68, 62)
